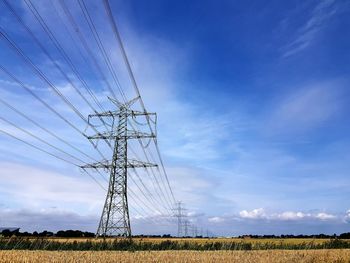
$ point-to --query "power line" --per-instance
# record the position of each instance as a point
(43, 141)
(101, 47)
(148, 191)
(44, 129)
(133, 196)
(39, 139)
(85, 45)
(104, 54)
(21, 84)
(160, 194)
(36, 40)
(141, 200)
(72, 40)
(49, 153)
(133, 79)
(144, 215)
(36, 70)
(152, 160)
(41, 21)
(144, 205)
(65, 56)
(38, 148)
(151, 201)
(93, 178)
(115, 218)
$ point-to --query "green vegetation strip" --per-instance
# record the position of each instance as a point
(129, 245)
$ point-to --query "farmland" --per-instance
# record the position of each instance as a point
(310, 256)
(161, 244)
(243, 250)
(199, 240)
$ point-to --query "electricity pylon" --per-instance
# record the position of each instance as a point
(180, 218)
(186, 225)
(115, 220)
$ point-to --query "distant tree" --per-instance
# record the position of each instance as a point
(45, 234)
(24, 234)
(88, 234)
(344, 236)
(6, 233)
(74, 233)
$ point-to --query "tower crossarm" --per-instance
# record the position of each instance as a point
(134, 113)
(98, 165)
(139, 164)
(114, 135)
(107, 164)
(129, 113)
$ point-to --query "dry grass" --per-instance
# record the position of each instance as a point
(246, 240)
(302, 256)
(204, 240)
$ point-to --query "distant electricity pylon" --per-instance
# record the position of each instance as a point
(186, 225)
(115, 220)
(179, 213)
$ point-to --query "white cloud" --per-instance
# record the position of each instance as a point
(291, 216)
(138, 217)
(216, 219)
(325, 216)
(254, 214)
(261, 214)
(347, 216)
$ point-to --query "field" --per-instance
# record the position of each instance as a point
(163, 244)
(173, 250)
(309, 256)
(204, 240)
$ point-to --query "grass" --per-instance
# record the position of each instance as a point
(147, 244)
(273, 256)
(200, 240)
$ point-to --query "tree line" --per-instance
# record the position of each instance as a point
(319, 236)
(61, 233)
(78, 233)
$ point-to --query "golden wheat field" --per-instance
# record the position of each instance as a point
(203, 240)
(309, 256)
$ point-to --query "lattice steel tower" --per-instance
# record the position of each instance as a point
(179, 213)
(115, 220)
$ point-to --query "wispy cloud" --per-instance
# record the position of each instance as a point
(305, 35)
(305, 107)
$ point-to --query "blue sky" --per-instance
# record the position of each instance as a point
(252, 101)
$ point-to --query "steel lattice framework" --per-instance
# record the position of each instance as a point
(115, 219)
